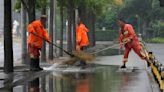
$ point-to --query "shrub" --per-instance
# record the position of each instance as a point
(106, 35)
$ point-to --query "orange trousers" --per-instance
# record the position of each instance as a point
(33, 51)
(134, 44)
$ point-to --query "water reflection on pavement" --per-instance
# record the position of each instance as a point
(102, 79)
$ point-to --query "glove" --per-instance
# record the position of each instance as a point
(126, 40)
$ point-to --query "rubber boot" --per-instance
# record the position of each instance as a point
(83, 64)
(32, 64)
(123, 66)
(38, 65)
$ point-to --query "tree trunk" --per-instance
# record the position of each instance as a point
(51, 28)
(31, 12)
(93, 29)
(73, 30)
(8, 43)
(43, 50)
(69, 39)
(94, 37)
(90, 23)
(24, 36)
(82, 13)
(89, 26)
(54, 27)
(61, 29)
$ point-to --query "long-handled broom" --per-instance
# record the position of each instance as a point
(76, 55)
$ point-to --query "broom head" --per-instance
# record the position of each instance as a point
(84, 56)
(79, 55)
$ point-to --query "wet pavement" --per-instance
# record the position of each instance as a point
(16, 53)
(100, 79)
(105, 76)
(158, 50)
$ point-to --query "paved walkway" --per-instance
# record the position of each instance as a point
(108, 78)
(105, 77)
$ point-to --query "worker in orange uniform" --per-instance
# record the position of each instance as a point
(129, 39)
(81, 39)
(35, 39)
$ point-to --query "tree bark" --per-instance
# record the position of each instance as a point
(89, 26)
(51, 28)
(69, 39)
(54, 29)
(94, 37)
(74, 30)
(8, 43)
(61, 28)
(24, 36)
(43, 50)
(93, 29)
(82, 13)
(30, 7)
(31, 11)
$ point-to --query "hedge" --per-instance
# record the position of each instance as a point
(106, 35)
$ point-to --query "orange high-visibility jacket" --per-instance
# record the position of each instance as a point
(37, 28)
(81, 35)
(127, 32)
